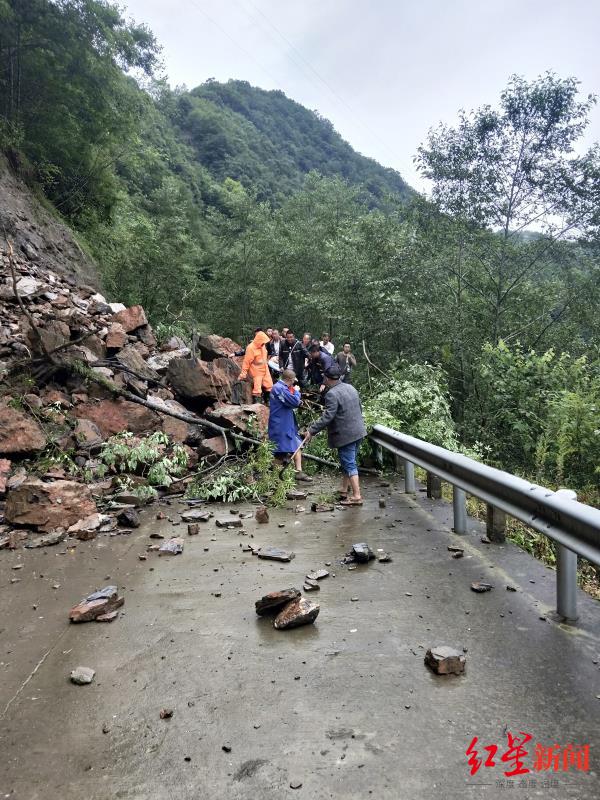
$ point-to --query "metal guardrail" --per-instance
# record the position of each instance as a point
(573, 526)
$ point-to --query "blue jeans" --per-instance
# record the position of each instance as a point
(348, 455)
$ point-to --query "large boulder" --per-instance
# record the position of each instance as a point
(240, 418)
(115, 416)
(116, 336)
(19, 433)
(213, 346)
(131, 318)
(46, 506)
(131, 359)
(198, 380)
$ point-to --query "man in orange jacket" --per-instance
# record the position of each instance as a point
(255, 364)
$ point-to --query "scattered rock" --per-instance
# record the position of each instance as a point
(486, 540)
(262, 515)
(310, 585)
(226, 748)
(481, 586)
(296, 494)
(96, 604)
(131, 318)
(195, 515)
(54, 537)
(295, 784)
(384, 558)
(171, 547)
(321, 508)
(129, 518)
(229, 522)
(274, 601)
(298, 612)
(454, 549)
(382, 503)
(275, 554)
(318, 575)
(362, 552)
(458, 554)
(82, 675)
(445, 660)
(166, 713)
(193, 529)
(510, 588)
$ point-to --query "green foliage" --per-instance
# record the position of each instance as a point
(147, 457)
(414, 400)
(538, 413)
(256, 477)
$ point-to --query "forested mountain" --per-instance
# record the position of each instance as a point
(269, 142)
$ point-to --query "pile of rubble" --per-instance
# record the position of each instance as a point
(96, 349)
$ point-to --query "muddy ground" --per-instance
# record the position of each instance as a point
(344, 707)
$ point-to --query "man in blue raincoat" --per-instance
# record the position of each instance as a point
(283, 427)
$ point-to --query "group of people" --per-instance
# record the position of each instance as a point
(280, 366)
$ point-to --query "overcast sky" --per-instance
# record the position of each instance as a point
(383, 71)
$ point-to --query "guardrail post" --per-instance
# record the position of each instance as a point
(397, 463)
(566, 574)
(495, 524)
(434, 486)
(459, 503)
(409, 477)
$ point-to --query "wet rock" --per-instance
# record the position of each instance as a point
(19, 433)
(454, 549)
(274, 601)
(226, 748)
(317, 575)
(54, 537)
(458, 554)
(275, 554)
(296, 494)
(131, 318)
(89, 524)
(195, 515)
(445, 660)
(301, 611)
(166, 713)
(82, 675)
(321, 508)
(193, 529)
(262, 515)
(311, 585)
(384, 558)
(47, 506)
(481, 586)
(129, 518)
(99, 603)
(362, 553)
(486, 540)
(295, 784)
(382, 502)
(510, 588)
(171, 547)
(229, 522)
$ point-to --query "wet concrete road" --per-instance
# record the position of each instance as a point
(345, 706)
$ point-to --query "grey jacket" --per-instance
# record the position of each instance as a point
(342, 416)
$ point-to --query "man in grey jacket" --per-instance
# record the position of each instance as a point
(345, 430)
